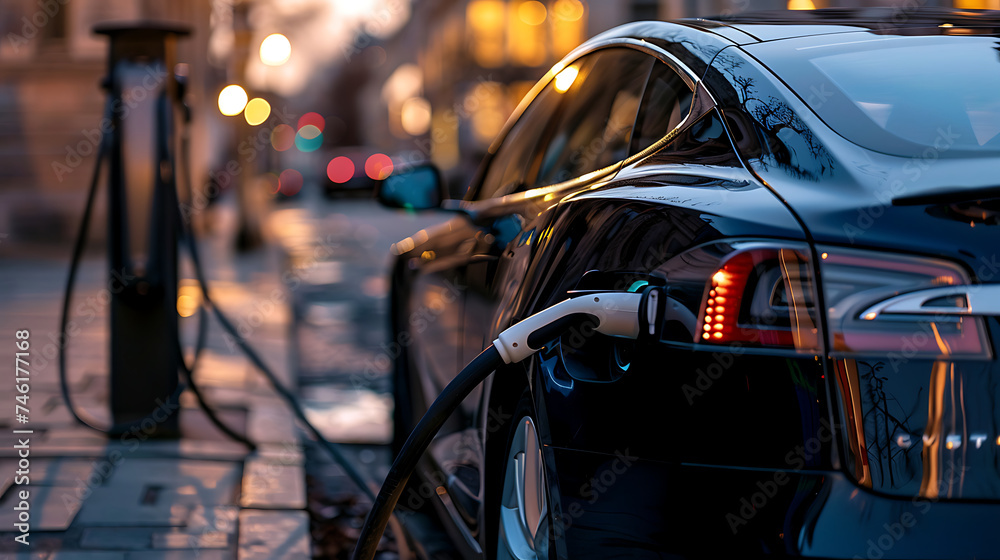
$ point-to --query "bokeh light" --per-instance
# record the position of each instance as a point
(289, 182)
(378, 166)
(232, 100)
(314, 119)
(257, 110)
(340, 169)
(308, 138)
(568, 10)
(188, 298)
(531, 12)
(270, 179)
(275, 50)
(282, 137)
(415, 116)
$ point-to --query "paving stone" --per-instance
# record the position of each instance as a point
(73, 435)
(287, 453)
(184, 448)
(272, 485)
(50, 510)
(7, 471)
(60, 471)
(197, 541)
(322, 273)
(221, 519)
(274, 535)
(60, 449)
(160, 492)
(321, 355)
(226, 396)
(220, 370)
(86, 555)
(117, 538)
(271, 424)
(25, 556)
(350, 416)
(54, 412)
(181, 555)
(333, 316)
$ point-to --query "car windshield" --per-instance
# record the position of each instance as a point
(906, 95)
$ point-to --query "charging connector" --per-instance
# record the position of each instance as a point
(628, 315)
(611, 313)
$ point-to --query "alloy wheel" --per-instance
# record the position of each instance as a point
(523, 505)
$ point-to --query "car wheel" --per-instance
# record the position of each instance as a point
(522, 525)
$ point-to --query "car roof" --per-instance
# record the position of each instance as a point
(745, 28)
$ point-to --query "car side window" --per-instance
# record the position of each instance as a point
(594, 127)
(665, 104)
(581, 121)
(507, 170)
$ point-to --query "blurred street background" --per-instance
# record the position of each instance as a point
(297, 108)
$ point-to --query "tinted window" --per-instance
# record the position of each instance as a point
(903, 95)
(507, 171)
(581, 121)
(595, 125)
(665, 103)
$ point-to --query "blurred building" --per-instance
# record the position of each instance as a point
(456, 71)
(424, 79)
(51, 67)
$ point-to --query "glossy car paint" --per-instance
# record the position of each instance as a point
(687, 452)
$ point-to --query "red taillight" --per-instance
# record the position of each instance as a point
(763, 294)
(723, 303)
(748, 302)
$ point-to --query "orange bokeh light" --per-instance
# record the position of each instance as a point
(378, 166)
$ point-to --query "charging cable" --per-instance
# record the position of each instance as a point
(621, 314)
(188, 238)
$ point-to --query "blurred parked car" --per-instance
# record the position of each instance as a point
(818, 196)
(353, 171)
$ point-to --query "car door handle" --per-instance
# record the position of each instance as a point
(949, 303)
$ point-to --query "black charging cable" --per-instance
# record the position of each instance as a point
(334, 450)
(623, 314)
(77, 255)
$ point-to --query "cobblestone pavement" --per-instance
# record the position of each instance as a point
(203, 496)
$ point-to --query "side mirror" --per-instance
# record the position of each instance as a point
(414, 188)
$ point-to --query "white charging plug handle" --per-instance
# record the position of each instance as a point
(617, 314)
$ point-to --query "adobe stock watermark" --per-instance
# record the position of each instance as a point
(463, 450)
(765, 490)
(461, 110)
(132, 439)
(418, 321)
(894, 530)
(122, 106)
(33, 25)
(248, 150)
(592, 490)
(900, 14)
(89, 310)
(292, 279)
(913, 170)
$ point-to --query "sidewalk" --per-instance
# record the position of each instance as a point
(202, 496)
(313, 303)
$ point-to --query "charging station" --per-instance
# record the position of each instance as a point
(142, 230)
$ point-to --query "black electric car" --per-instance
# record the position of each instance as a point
(817, 194)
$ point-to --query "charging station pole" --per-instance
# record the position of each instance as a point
(142, 232)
